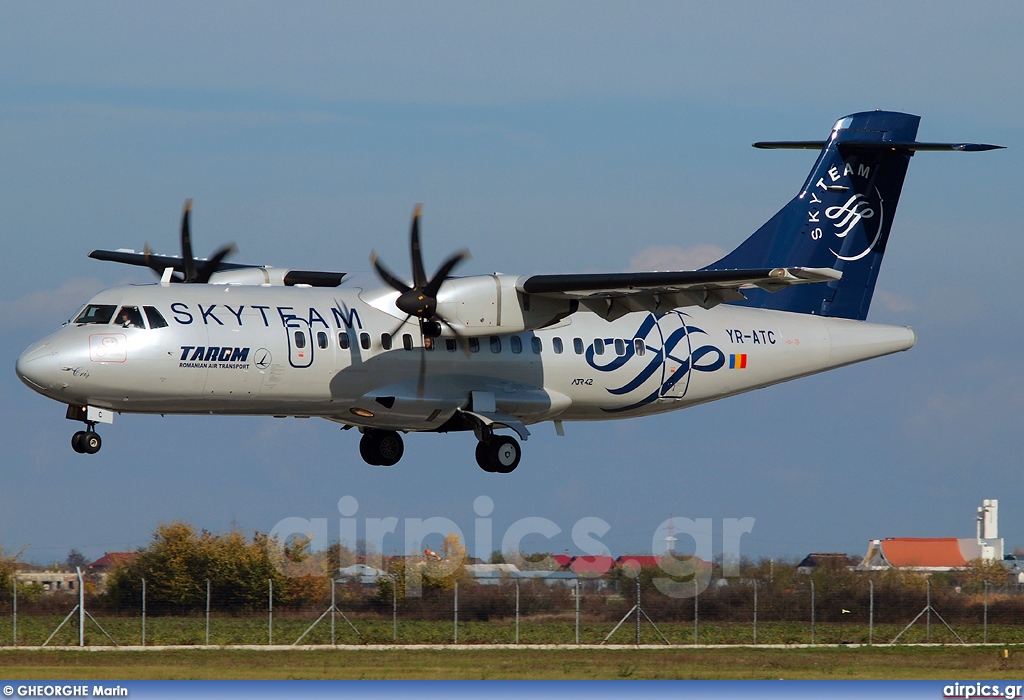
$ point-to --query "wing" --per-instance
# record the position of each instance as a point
(159, 263)
(614, 295)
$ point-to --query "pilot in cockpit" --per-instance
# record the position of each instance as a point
(130, 317)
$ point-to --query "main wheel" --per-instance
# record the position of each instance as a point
(506, 454)
(499, 454)
(390, 448)
(483, 457)
(76, 442)
(368, 449)
(381, 448)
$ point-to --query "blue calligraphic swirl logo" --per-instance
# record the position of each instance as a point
(661, 358)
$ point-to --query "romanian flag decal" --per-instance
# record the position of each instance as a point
(738, 361)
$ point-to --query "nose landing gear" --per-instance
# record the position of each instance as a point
(86, 441)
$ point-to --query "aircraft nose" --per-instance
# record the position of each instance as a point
(39, 367)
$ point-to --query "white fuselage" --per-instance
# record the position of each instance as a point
(255, 350)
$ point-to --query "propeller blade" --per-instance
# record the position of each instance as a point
(186, 244)
(459, 338)
(210, 266)
(419, 275)
(386, 275)
(442, 272)
(422, 380)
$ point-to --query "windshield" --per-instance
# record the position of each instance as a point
(96, 313)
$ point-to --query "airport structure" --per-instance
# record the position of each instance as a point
(927, 554)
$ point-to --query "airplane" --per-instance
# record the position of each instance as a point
(388, 355)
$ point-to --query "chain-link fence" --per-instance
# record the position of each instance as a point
(515, 611)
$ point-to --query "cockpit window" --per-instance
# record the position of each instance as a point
(155, 318)
(96, 313)
(129, 317)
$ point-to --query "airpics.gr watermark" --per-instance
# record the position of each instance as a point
(686, 575)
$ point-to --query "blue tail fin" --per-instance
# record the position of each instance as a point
(841, 218)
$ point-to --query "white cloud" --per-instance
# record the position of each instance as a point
(893, 302)
(669, 257)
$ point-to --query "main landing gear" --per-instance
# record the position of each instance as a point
(381, 448)
(497, 454)
(86, 441)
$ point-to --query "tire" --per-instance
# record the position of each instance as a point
(390, 448)
(368, 449)
(76, 442)
(499, 455)
(91, 442)
(483, 457)
(505, 454)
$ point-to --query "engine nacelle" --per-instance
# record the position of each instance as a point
(491, 304)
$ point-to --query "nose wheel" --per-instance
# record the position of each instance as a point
(86, 442)
(381, 448)
(498, 454)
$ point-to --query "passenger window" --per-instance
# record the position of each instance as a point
(96, 313)
(639, 347)
(300, 339)
(577, 345)
(537, 345)
(129, 317)
(428, 343)
(516, 344)
(620, 347)
(407, 341)
(474, 345)
(451, 344)
(495, 344)
(385, 341)
(343, 341)
(598, 346)
(156, 320)
(364, 341)
(556, 343)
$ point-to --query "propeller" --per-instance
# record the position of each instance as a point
(195, 271)
(420, 300)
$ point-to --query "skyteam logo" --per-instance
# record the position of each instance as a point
(856, 217)
(853, 212)
(660, 359)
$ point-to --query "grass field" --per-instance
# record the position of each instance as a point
(225, 629)
(469, 663)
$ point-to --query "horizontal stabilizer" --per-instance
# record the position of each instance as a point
(850, 144)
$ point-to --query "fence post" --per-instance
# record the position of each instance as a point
(985, 638)
(755, 611)
(696, 595)
(928, 618)
(333, 609)
(15, 581)
(812, 611)
(577, 611)
(81, 608)
(394, 610)
(207, 612)
(143, 612)
(270, 609)
(871, 613)
(638, 608)
(517, 610)
(456, 612)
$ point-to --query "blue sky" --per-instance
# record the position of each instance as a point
(545, 137)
